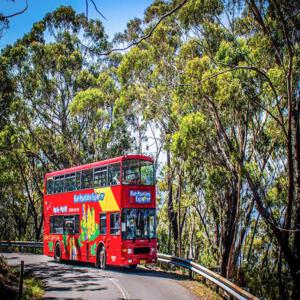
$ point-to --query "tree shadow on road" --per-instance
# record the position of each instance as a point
(148, 272)
(143, 271)
(64, 277)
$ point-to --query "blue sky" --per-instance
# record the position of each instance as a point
(117, 13)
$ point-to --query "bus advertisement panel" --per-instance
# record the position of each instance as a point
(103, 213)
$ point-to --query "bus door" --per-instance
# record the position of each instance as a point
(71, 229)
(114, 239)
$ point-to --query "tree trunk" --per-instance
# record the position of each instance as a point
(243, 234)
(179, 215)
(296, 140)
(228, 237)
(279, 272)
(171, 211)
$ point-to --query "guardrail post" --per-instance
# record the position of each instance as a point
(190, 274)
(21, 280)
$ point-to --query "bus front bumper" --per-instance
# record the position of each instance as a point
(127, 261)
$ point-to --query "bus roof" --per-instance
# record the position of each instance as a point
(99, 163)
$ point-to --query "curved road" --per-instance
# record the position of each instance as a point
(70, 281)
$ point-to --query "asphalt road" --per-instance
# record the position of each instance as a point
(74, 281)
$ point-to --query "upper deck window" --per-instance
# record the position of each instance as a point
(87, 179)
(103, 176)
(49, 186)
(114, 174)
(59, 184)
(100, 176)
(138, 172)
(70, 182)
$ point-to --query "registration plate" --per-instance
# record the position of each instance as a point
(143, 262)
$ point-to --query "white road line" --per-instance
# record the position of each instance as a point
(119, 287)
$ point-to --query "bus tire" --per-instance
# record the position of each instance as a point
(132, 267)
(101, 257)
(57, 253)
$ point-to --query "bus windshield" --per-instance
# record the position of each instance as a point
(138, 172)
(138, 224)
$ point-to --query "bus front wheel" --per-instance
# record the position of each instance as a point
(57, 253)
(102, 258)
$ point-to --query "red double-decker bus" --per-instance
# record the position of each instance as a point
(103, 212)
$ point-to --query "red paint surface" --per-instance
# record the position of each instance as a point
(113, 243)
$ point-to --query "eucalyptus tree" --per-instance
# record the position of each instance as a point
(49, 70)
(254, 73)
(147, 74)
(230, 95)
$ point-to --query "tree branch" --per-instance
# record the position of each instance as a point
(97, 10)
(135, 43)
(87, 9)
(251, 68)
(15, 14)
(266, 30)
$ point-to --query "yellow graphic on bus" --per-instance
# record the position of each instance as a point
(89, 227)
(109, 202)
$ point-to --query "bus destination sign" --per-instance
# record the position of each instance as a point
(94, 197)
(141, 197)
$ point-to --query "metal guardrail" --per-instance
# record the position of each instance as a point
(220, 281)
(24, 244)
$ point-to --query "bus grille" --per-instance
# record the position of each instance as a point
(141, 250)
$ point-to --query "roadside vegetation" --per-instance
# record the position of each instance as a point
(8, 281)
(33, 289)
(204, 290)
(9, 284)
(212, 92)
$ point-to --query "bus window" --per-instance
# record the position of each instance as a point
(71, 224)
(49, 187)
(138, 223)
(56, 224)
(115, 223)
(78, 180)
(70, 182)
(103, 223)
(138, 172)
(114, 174)
(100, 176)
(87, 179)
(59, 184)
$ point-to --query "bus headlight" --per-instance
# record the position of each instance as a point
(129, 251)
(153, 250)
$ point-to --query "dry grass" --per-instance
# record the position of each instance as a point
(195, 286)
(200, 290)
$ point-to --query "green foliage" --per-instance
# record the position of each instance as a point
(191, 125)
(88, 99)
(195, 12)
(209, 89)
(33, 289)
